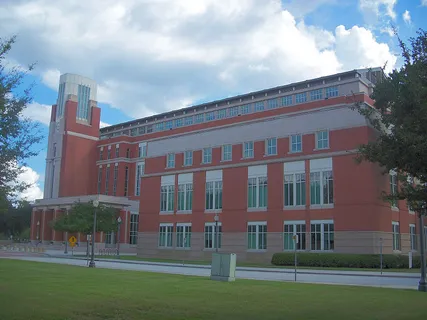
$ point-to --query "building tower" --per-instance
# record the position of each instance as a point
(73, 134)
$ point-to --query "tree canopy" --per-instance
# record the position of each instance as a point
(18, 135)
(400, 119)
(80, 219)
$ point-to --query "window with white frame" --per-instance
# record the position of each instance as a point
(245, 109)
(222, 114)
(207, 155)
(393, 187)
(160, 126)
(169, 124)
(133, 232)
(259, 106)
(167, 193)
(185, 192)
(179, 123)
(211, 235)
(296, 143)
(321, 182)
(272, 103)
(286, 101)
(188, 158)
(291, 229)
(300, 97)
(101, 151)
(257, 187)
(165, 235)
(107, 178)
(115, 177)
(248, 149)
(322, 235)
(331, 92)
(199, 118)
(188, 121)
(117, 150)
(170, 161)
(183, 235)
(316, 94)
(227, 152)
(109, 152)
(271, 146)
(126, 181)
(210, 116)
(213, 192)
(413, 237)
(257, 235)
(294, 184)
(99, 179)
(142, 150)
(140, 167)
(322, 139)
(396, 235)
(234, 111)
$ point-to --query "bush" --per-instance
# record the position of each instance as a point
(342, 260)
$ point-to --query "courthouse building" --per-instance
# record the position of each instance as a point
(262, 166)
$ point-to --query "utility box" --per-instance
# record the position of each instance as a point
(223, 267)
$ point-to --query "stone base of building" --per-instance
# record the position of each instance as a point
(225, 279)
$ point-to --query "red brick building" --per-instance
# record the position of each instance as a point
(269, 165)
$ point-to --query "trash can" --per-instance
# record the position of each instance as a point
(223, 267)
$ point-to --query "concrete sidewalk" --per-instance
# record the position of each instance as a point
(82, 256)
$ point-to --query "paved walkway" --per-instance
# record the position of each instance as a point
(359, 278)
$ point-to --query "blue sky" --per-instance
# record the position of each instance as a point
(152, 56)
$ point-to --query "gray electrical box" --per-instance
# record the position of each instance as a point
(223, 267)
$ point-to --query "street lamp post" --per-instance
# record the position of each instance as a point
(216, 218)
(422, 286)
(38, 230)
(119, 222)
(92, 258)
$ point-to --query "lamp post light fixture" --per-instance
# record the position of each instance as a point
(38, 229)
(216, 218)
(92, 258)
(119, 222)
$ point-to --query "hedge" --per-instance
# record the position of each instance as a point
(342, 260)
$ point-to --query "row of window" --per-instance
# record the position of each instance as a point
(397, 245)
(321, 235)
(294, 181)
(115, 179)
(295, 145)
(142, 151)
(259, 106)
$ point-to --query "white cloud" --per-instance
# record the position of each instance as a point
(406, 17)
(424, 3)
(38, 112)
(378, 7)
(149, 56)
(32, 178)
(104, 124)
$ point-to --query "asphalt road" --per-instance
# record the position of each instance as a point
(373, 279)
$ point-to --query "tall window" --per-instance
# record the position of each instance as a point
(322, 235)
(245, 109)
(165, 235)
(396, 235)
(227, 152)
(188, 158)
(117, 151)
(167, 194)
(296, 143)
(188, 121)
(259, 106)
(109, 152)
(128, 153)
(322, 139)
(185, 192)
(169, 124)
(413, 237)
(211, 235)
(257, 235)
(271, 147)
(248, 149)
(133, 233)
(222, 114)
(142, 150)
(126, 180)
(393, 187)
(107, 179)
(199, 118)
(257, 187)
(331, 92)
(101, 153)
(286, 101)
(99, 179)
(300, 97)
(291, 229)
(139, 173)
(294, 184)
(321, 182)
(207, 155)
(183, 235)
(170, 162)
(213, 191)
(178, 123)
(210, 116)
(234, 111)
(316, 94)
(116, 174)
(83, 96)
(272, 103)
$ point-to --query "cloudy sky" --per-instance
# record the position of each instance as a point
(150, 56)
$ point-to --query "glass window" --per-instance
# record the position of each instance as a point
(165, 235)
(321, 188)
(292, 229)
(170, 160)
(107, 179)
(393, 187)
(126, 181)
(322, 236)
(248, 149)
(185, 197)
(199, 118)
(210, 116)
(257, 236)
(331, 92)
(188, 121)
(245, 109)
(188, 158)
(142, 150)
(396, 235)
(296, 143)
(222, 114)
(211, 236)
(322, 139)
(286, 101)
(99, 179)
(179, 123)
(183, 236)
(160, 126)
(273, 103)
(133, 233)
(169, 124)
(413, 237)
(294, 189)
(257, 192)
(301, 97)
(316, 94)
(271, 146)
(234, 111)
(227, 152)
(116, 174)
(167, 194)
(207, 155)
(139, 173)
(259, 106)
(213, 195)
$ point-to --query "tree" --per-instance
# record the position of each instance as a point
(400, 119)
(80, 219)
(16, 219)
(18, 135)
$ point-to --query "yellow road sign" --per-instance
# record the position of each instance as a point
(72, 241)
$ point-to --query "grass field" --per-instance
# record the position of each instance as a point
(31, 290)
(248, 264)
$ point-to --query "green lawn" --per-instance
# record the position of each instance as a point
(30, 290)
(247, 264)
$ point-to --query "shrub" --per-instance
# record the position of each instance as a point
(342, 260)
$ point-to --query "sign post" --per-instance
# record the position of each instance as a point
(72, 242)
(88, 239)
(295, 238)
